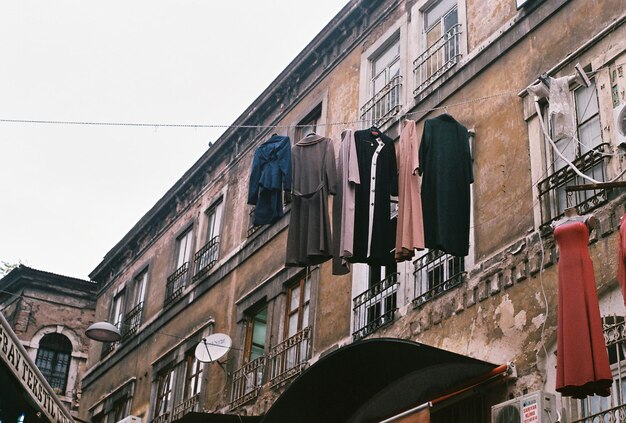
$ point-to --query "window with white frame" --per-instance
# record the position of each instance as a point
(177, 281)
(132, 320)
(309, 123)
(207, 256)
(441, 43)
(166, 382)
(435, 273)
(585, 150)
(385, 85)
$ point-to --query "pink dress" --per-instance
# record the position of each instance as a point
(410, 229)
(582, 358)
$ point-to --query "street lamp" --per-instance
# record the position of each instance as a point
(103, 332)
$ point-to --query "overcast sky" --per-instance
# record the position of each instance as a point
(68, 193)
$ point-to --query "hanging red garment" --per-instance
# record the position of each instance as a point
(582, 358)
(621, 258)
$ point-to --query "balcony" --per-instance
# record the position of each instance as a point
(552, 194)
(163, 418)
(132, 322)
(436, 273)
(375, 307)
(187, 406)
(290, 357)
(176, 284)
(205, 259)
(437, 59)
(597, 409)
(384, 105)
(247, 382)
(252, 228)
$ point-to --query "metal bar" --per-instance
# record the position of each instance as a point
(602, 185)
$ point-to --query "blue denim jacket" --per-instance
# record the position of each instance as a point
(271, 173)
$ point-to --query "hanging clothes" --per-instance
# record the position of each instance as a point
(374, 234)
(582, 358)
(445, 164)
(309, 239)
(561, 110)
(344, 203)
(621, 257)
(410, 230)
(271, 173)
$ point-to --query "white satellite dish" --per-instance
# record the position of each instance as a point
(213, 347)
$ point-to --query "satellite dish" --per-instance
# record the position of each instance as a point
(213, 347)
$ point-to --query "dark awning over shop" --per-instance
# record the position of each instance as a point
(371, 380)
(217, 418)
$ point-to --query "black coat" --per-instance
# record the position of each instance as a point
(446, 169)
(383, 178)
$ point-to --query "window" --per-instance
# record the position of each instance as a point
(435, 273)
(586, 152)
(442, 37)
(384, 85)
(376, 307)
(255, 335)
(177, 281)
(309, 123)
(297, 313)
(117, 310)
(119, 410)
(207, 256)
(165, 393)
(134, 315)
(188, 396)
(53, 359)
(193, 376)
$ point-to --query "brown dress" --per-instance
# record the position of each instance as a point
(314, 176)
(582, 359)
(410, 229)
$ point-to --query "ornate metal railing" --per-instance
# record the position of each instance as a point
(614, 415)
(163, 418)
(247, 382)
(553, 197)
(434, 274)
(385, 104)
(290, 357)
(176, 284)
(185, 407)
(375, 307)
(132, 322)
(437, 59)
(252, 228)
(205, 259)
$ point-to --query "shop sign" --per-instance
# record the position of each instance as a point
(15, 358)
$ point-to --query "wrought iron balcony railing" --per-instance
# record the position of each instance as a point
(385, 104)
(375, 307)
(163, 418)
(187, 406)
(437, 59)
(434, 274)
(290, 357)
(205, 259)
(252, 228)
(247, 382)
(613, 415)
(132, 322)
(176, 284)
(553, 197)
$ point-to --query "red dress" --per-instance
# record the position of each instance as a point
(582, 359)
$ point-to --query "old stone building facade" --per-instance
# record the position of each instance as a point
(194, 265)
(49, 313)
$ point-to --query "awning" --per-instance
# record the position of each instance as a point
(371, 380)
(217, 418)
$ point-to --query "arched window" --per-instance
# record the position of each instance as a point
(53, 359)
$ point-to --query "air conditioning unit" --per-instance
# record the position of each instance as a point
(536, 407)
(130, 419)
(619, 114)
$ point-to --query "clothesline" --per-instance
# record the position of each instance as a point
(223, 126)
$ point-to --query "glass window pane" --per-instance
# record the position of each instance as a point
(305, 316)
(293, 325)
(433, 35)
(434, 14)
(567, 147)
(258, 335)
(450, 20)
(386, 58)
(294, 300)
(586, 102)
(590, 135)
(307, 290)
